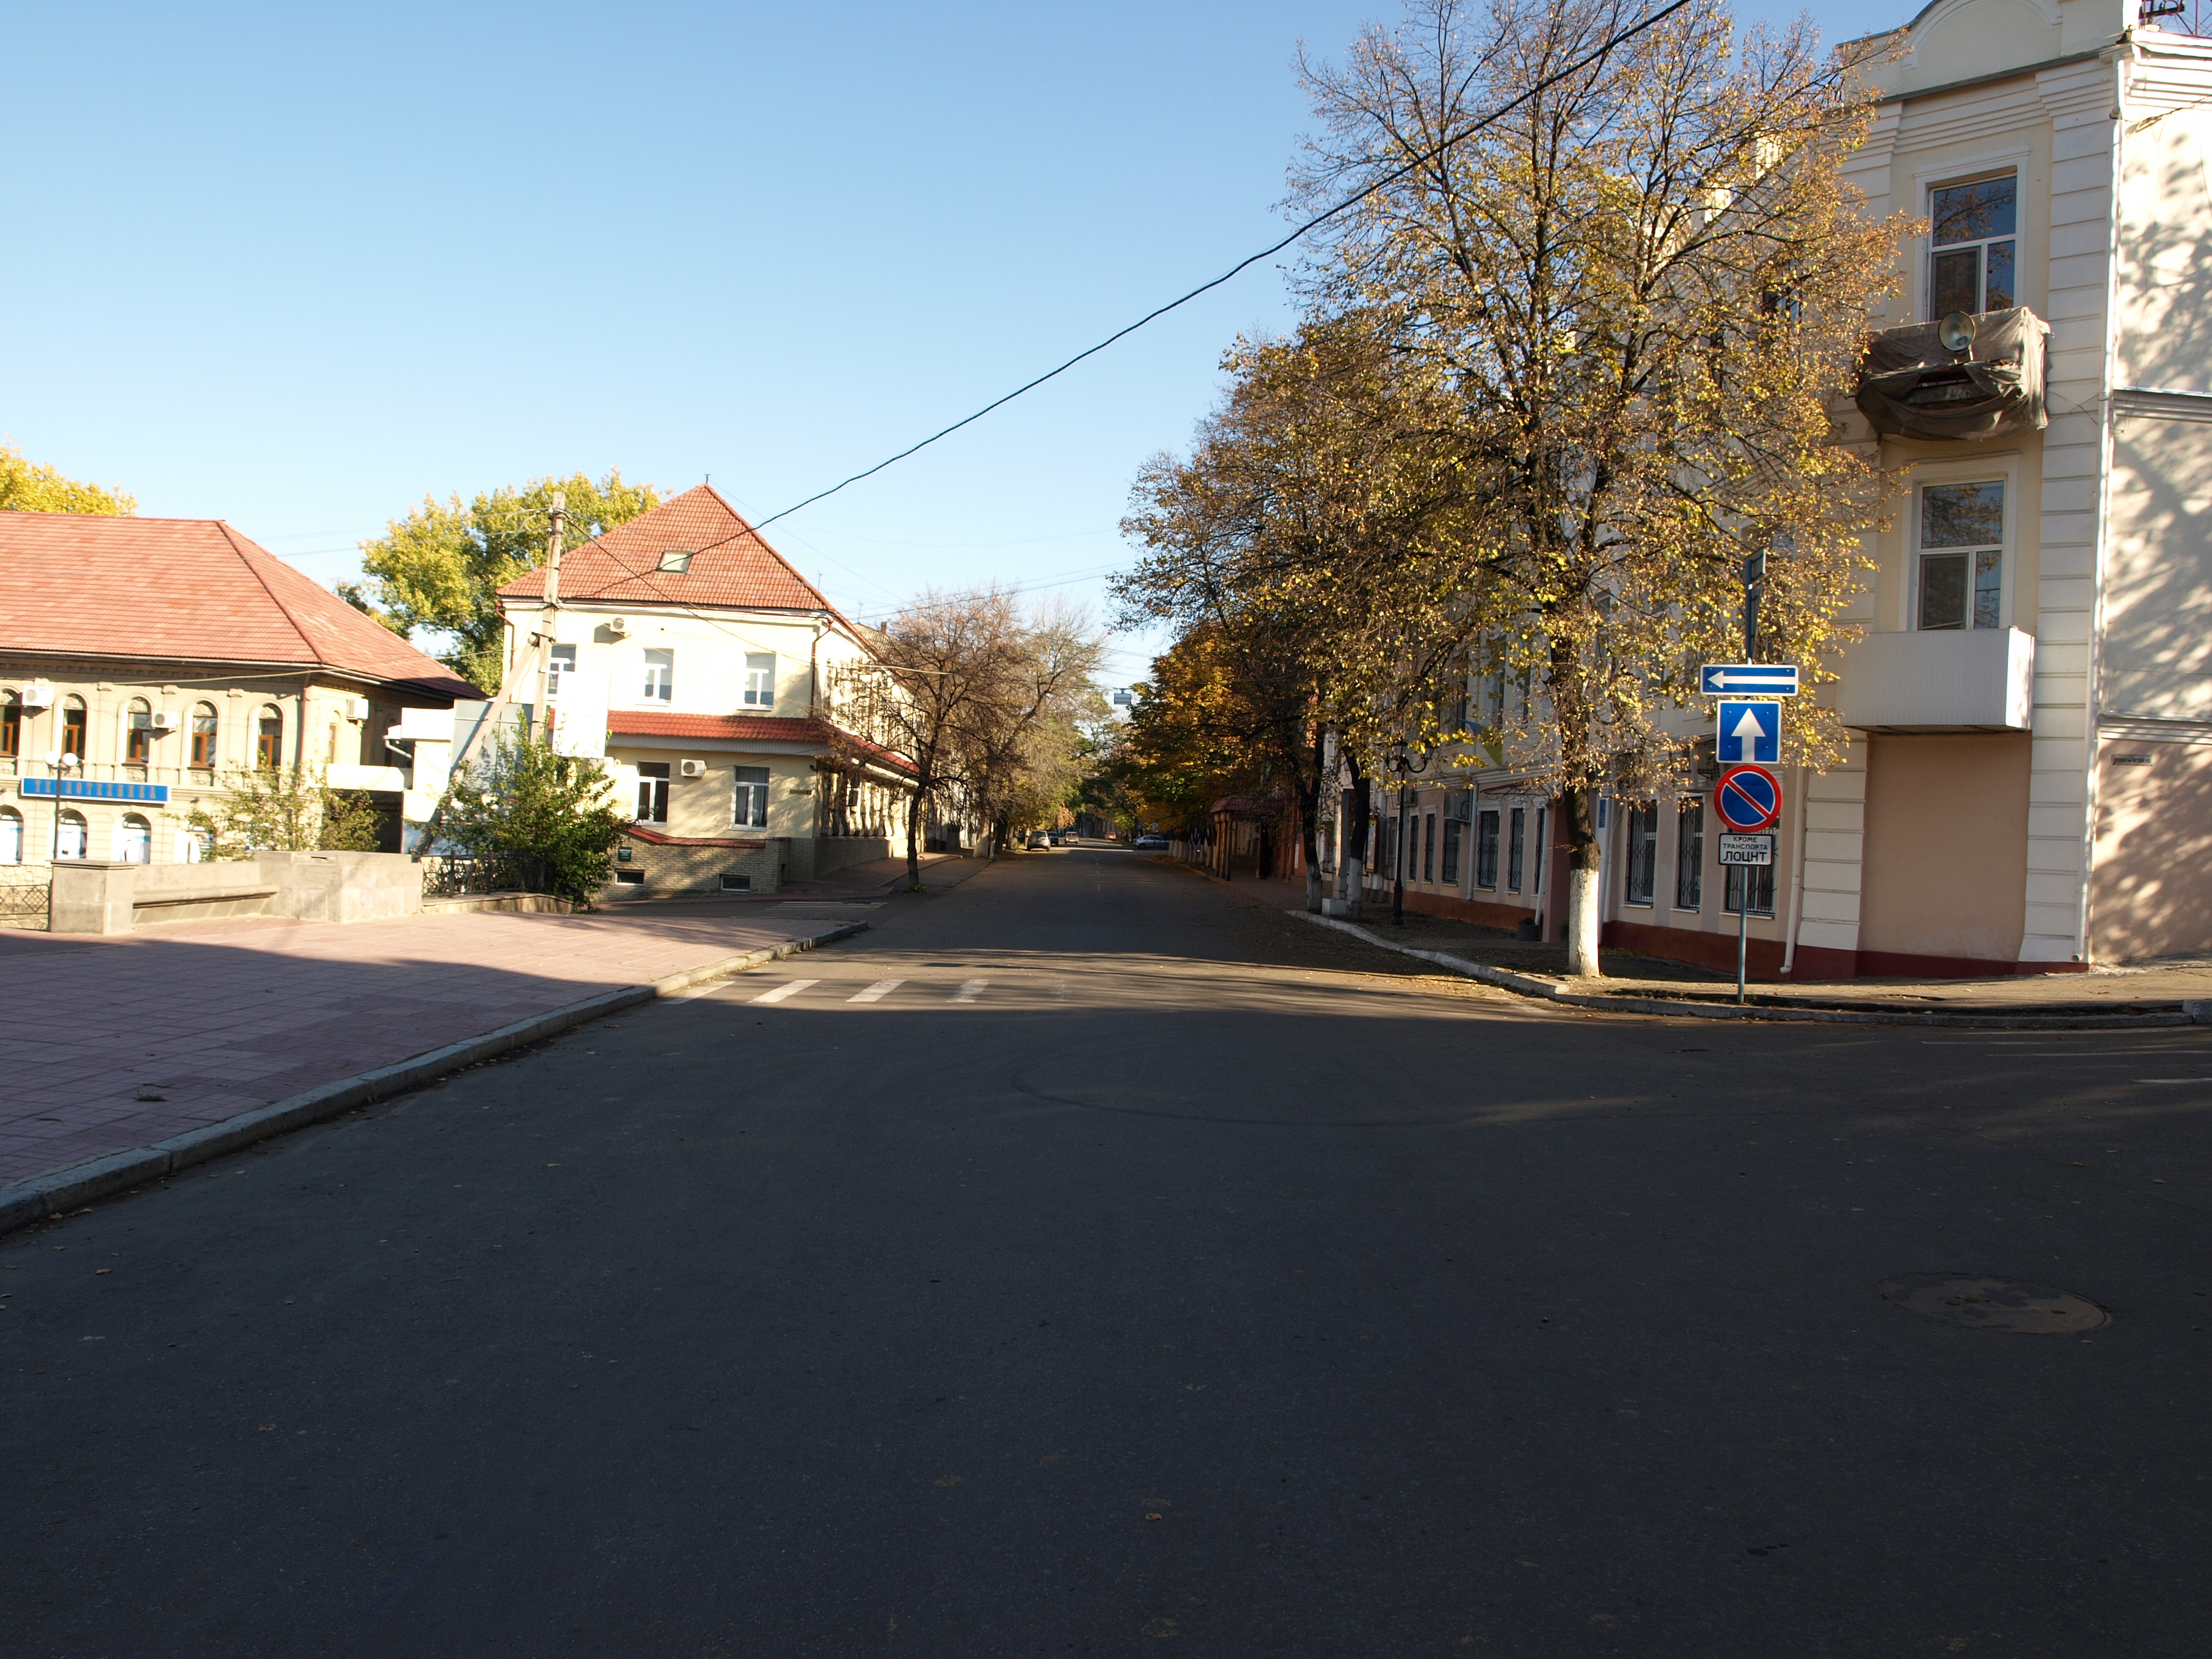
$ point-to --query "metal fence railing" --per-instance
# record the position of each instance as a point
(25, 891)
(2178, 16)
(450, 876)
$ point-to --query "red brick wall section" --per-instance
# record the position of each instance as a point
(1764, 958)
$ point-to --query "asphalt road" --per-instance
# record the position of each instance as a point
(1201, 1283)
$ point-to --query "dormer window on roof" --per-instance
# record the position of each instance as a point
(675, 559)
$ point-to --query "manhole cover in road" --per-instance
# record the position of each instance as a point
(1994, 1304)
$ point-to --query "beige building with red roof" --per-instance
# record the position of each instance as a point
(713, 669)
(165, 652)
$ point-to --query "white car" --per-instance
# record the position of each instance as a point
(1152, 844)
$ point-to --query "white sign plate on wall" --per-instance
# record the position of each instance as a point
(580, 717)
(1746, 850)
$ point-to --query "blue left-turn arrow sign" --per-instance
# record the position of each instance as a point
(1762, 679)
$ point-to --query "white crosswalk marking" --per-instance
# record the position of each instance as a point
(882, 988)
(969, 988)
(790, 988)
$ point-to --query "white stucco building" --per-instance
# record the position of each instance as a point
(703, 667)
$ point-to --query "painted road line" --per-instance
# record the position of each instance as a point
(969, 988)
(790, 988)
(881, 988)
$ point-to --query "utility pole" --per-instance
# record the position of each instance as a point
(1754, 578)
(549, 614)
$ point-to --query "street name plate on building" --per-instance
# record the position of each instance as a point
(150, 794)
(1746, 850)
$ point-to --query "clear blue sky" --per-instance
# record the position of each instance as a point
(294, 267)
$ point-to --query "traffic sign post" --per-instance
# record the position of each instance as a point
(1748, 800)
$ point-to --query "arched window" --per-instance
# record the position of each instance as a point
(204, 732)
(12, 725)
(137, 732)
(134, 839)
(11, 835)
(268, 741)
(73, 729)
(68, 841)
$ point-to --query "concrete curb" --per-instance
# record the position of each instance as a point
(43, 1195)
(2191, 1014)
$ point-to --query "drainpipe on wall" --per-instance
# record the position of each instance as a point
(1796, 877)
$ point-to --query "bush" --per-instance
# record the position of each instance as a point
(281, 811)
(532, 820)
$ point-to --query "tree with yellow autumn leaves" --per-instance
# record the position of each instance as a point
(1610, 297)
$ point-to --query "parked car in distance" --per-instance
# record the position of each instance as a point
(1152, 844)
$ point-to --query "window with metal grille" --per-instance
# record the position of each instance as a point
(1642, 829)
(1690, 855)
(1486, 849)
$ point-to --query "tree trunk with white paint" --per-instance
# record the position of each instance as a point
(1583, 887)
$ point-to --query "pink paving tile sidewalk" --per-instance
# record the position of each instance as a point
(116, 1043)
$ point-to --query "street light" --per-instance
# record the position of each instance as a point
(62, 760)
(1402, 766)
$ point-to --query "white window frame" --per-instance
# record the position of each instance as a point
(658, 678)
(652, 790)
(2001, 467)
(559, 659)
(758, 690)
(743, 795)
(1956, 180)
(2015, 159)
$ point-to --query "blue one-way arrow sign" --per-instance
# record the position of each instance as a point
(1763, 679)
(1750, 733)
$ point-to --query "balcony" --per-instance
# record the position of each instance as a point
(1911, 386)
(1979, 679)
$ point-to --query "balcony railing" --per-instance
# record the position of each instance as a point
(1975, 679)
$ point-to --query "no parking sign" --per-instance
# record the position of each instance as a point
(1748, 798)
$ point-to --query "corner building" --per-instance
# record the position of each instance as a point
(708, 673)
(2029, 787)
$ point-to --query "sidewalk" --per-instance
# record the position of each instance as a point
(126, 1042)
(2145, 992)
(875, 879)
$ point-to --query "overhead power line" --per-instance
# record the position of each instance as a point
(1320, 219)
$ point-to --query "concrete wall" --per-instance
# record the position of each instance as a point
(90, 897)
(341, 886)
(1946, 836)
(2152, 892)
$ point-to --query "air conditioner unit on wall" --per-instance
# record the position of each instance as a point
(618, 626)
(692, 768)
(162, 720)
(357, 709)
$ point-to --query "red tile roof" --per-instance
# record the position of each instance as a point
(661, 838)
(187, 590)
(743, 728)
(732, 566)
